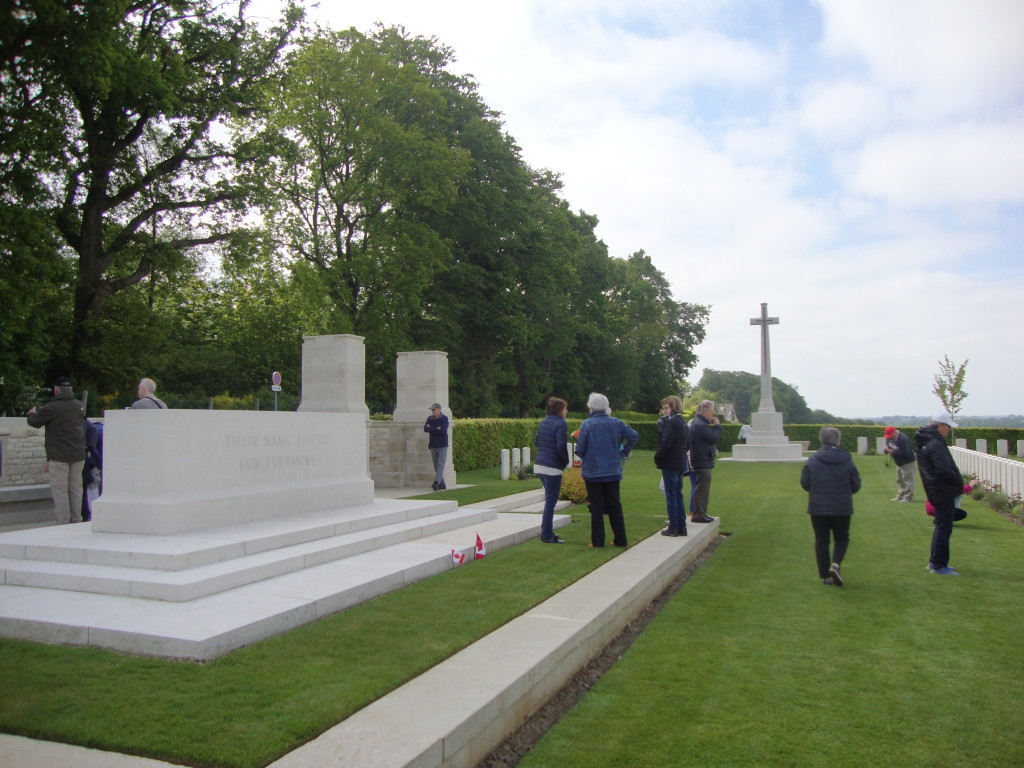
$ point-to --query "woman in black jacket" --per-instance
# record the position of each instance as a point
(831, 479)
(670, 458)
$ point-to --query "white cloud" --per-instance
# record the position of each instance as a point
(944, 57)
(967, 163)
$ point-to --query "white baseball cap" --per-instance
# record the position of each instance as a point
(943, 417)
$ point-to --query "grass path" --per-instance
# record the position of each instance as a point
(752, 663)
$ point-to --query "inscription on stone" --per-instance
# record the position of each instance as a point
(275, 451)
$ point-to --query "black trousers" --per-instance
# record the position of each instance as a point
(825, 527)
(604, 500)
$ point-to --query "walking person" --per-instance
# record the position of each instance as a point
(831, 479)
(898, 446)
(63, 418)
(942, 483)
(604, 445)
(437, 427)
(551, 442)
(670, 458)
(705, 432)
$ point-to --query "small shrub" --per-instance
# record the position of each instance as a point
(978, 492)
(999, 501)
(573, 487)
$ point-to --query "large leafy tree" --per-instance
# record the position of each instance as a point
(109, 116)
(364, 159)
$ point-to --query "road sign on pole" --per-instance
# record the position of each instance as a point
(275, 385)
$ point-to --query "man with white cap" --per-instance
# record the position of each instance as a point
(942, 483)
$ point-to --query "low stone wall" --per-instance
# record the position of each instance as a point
(399, 458)
(22, 455)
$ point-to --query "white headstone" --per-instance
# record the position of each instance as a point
(981, 445)
(862, 445)
(1002, 447)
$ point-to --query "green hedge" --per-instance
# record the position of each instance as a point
(478, 442)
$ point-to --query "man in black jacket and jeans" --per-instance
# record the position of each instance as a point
(942, 483)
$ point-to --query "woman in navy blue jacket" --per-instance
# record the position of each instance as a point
(604, 445)
(831, 479)
(551, 441)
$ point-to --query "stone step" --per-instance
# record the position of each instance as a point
(79, 544)
(77, 574)
(211, 626)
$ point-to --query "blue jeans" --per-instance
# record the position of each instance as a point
(439, 456)
(552, 488)
(674, 499)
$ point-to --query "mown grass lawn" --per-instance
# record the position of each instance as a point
(753, 662)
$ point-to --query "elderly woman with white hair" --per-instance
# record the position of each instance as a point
(831, 479)
(603, 445)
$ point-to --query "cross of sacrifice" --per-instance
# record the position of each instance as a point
(767, 403)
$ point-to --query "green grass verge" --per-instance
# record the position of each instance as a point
(251, 706)
(752, 663)
(755, 663)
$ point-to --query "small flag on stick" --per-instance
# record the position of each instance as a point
(481, 550)
(458, 558)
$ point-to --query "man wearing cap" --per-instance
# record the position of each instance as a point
(942, 483)
(437, 428)
(64, 438)
(898, 446)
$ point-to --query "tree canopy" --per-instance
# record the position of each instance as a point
(187, 195)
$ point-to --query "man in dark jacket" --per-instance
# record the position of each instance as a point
(942, 483)
(831, 479)
(437, 427)
(670, 458)
(64, 438)
(705, 432)
(898, 446)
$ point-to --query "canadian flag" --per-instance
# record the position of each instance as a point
(481, 550)
(458, 558)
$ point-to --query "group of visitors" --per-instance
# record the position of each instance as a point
(831, 479)
(74, 448)
(604, 443)
(689, 450)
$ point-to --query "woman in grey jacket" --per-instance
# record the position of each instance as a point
(831, 479)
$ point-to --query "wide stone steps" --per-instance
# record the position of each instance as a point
(187, 567)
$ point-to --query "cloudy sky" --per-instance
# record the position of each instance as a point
(859, 166)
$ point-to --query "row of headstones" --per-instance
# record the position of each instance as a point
(515, 459)
(981, 446)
